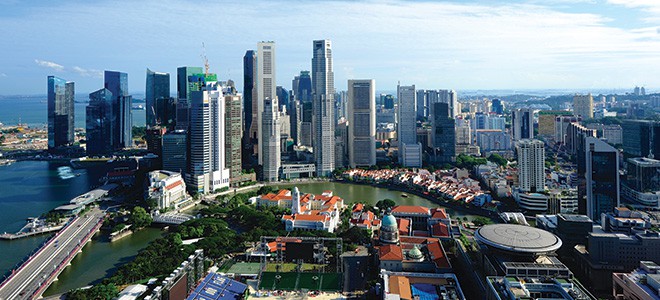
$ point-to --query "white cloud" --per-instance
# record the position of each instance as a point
(87, 72)
(650, 7)
(49, 64)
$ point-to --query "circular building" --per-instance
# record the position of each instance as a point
(389, 230)
(518, 239)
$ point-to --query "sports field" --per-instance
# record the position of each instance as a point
(297, 281)
(291, 267)
(244, 268)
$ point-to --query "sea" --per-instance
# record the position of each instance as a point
(33, 111)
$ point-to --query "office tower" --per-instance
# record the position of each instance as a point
(154, 138)
(158, 87)
(642, 184)
(422, 104)
(323, 91)
(497, 106)
(175, 151)
(60, 112)
(117, 84)
(266, 87)
(304, 90)
(463, 137)
(522, 124)
(100, 124)
(362, 123)
(583, 105)
(479, 121)
(282, 97)
(443, 133)
(641, 138)
(410, 152)
(341, 144)
(387, 101)
(492, 140)
(454, 106)
(531, 165)
(234, 126)
(601, 177)
(270, 140)
(207, 170)
(493, 122)
(184, 87)
(250, 105)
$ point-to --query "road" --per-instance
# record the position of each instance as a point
(32, 278)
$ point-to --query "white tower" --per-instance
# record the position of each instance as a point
(295, 201)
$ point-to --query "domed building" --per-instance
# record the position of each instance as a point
(415, 254)
(389, 230)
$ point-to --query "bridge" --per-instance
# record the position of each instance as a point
(34, 276)
(171, 218)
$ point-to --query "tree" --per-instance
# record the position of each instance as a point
(481, 221)
(139, 217)
(498, 159)
(385, 204)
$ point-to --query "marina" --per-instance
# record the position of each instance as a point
(33, 227)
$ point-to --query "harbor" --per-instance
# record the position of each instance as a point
(34, 226)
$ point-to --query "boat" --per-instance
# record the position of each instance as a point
(404, 195)
(65, 173)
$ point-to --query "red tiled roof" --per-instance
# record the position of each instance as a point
(319, 218)
(440, 230)
(358, 207)
(410, 209)
(438, 255)
(173, 185)
(390, 252)
(404, 225)
(439, 213)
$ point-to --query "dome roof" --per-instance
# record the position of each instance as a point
(389, 221)
(415, 253)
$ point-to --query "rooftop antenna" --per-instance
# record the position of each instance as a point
(205, 59)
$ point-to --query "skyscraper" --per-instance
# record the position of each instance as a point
(282, 97)
(117, 84)
(184, 88)
(497, 106)
(270, 140)
(422, 104)
(60, 112)
(410, 152)
(266, 85)
(234, 126)
(100, 124)
(602, 177)
(522, 124)
(323, 90)
(207, 165)
(362, 122)
(531, 165)
(641, 138)
(157, 95)
(175, 151)
(583, 105)
(250, 98)
(443, 133)
(304, 114)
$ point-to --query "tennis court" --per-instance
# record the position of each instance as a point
(244, 268)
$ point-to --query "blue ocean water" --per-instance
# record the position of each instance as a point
(32, 110)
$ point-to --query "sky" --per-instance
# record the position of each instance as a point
(462, 45)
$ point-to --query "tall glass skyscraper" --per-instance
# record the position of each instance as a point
(323, 89)
(184, 88)
(157, 95)
(443, 133)
(117, 84)
(410, 151)
(601, 176)
(250, 106)
(266, 88)
(109, 116)
(362, 122)
(60, 112)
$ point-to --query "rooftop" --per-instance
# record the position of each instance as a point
(518, 238)
(217, 287)
(536, 288)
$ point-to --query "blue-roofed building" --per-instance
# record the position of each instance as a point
(216, 287)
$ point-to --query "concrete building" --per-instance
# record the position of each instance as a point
(583, 106)
(443, 133)
(167, 188)
(308, 211)
(266, 86)
(410, 152)
(547, 121)
(362, 123)
(323, 90)
(234, 133)
(531, 165)
(535, 288)
(522, 124)
(601, 175)
(642, 283)
(561, 127)
(492, 140)
(61, 94)
(270, 140)
(410, 285)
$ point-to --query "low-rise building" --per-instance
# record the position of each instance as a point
(414, 254)
(642, 283)
(510, 287)
(409, 286)
(167, 188)
(363, 218)
(309, 212)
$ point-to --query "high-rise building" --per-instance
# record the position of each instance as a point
(497, 106)
(117, 83)
(642, 184)
(323, 90)
(207, 165)
(362, 122)
(341, 144)
(154, 138)
(304, 89)
(641, 138)
(234, 127)
(282, 97)
(184, 88)
(531, 165)
(443, 133)
(601, 177)
(387, 101)
(522, 124)
(410, 152)
(60, 112)
(583, 105)
(270, 140)
(157, 91)
(266, 87)
(423, 104)
(250, 105)
(175, 151)
(109, 116)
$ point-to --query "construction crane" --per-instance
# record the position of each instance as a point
(205, 59)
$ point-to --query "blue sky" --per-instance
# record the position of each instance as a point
(523, 44)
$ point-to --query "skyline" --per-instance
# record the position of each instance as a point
(531, 44)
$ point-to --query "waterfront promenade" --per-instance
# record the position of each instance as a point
(32, 278)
